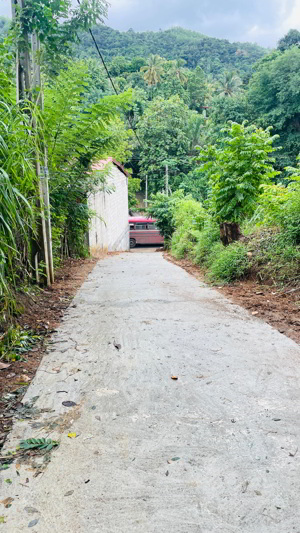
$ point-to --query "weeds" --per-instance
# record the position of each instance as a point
(229, 264)
(16, 342)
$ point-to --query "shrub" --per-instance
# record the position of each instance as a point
(189, 217)
(207, 238)
(162, 208)
(229, 263)
(183, 242)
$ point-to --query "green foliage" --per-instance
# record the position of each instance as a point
(162, 208)
(189, 218)
(207, 239)
(212, 55)
(56, 24)
(292, 38)
(17, 185)
(275, 257)
(163, 131)
(197, 89)
(153, 70)
(134, 185)
(228, 263)
(78, 133)
(237, 169)
(274, 94)
(38, 444)
(229, 83)
(16, 342)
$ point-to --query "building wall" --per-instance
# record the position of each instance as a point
(109, 230)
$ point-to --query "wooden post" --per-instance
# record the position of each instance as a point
(167, 181)
(146, 195)
(43, 172)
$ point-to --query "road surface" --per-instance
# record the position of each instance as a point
(215, 451)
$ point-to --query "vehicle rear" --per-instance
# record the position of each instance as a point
(143, 230)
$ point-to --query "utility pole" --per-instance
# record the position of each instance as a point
(28, 77)
(167, 181)
(146, 192)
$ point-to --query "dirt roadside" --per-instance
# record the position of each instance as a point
(43, 313)
(278, 308)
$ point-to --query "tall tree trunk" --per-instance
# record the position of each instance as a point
(229, 232)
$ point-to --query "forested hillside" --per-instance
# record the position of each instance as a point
(213, 55)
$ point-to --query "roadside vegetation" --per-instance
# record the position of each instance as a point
(247, 225)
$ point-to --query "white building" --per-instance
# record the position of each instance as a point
(109, 228)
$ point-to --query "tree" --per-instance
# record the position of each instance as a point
(153, 70)
(236, 170)
(197, 89)
(274, 95)
(163, 130)
(229, 83)
(292, 38)
(162, 208)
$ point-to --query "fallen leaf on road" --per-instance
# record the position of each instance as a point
(117, 346)
(173, 459)
(69, 493)
(41, 444)
(30, 510)
(7, 502)
(245, 486)
(174, 377)
(292, 454)
(88, 437)
(72, 435)
(254, 313)
(68, 403)
(9, 481)
(2, 520)
(33, 522)
(167, 472)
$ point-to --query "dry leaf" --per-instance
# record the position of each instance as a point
(24, 378)
(72, 435)
(174, 377)
(4, 365)
(117, 346)
(7, 502)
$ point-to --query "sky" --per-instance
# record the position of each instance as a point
(261, 21)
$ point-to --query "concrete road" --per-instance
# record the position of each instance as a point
(214, 451)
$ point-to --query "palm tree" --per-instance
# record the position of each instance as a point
(153, 70)
(178, 71)
(229, 83)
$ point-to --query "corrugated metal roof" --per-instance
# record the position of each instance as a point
(99, 165)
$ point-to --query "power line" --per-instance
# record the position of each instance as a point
(110, 78)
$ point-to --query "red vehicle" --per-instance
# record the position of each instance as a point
(143, 230)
